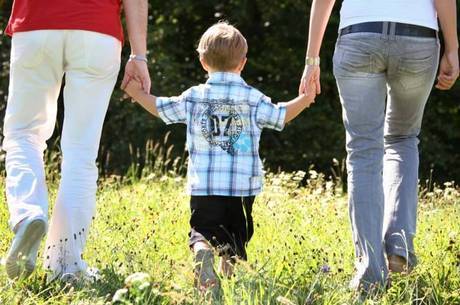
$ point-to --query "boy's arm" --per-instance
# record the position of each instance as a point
(297, 105)
(275, 116)
(147, 101)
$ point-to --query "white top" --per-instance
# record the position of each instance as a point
(418, 12)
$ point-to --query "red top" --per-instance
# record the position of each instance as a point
(101, 16)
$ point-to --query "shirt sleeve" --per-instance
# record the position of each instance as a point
(269, 115)
(172, 110)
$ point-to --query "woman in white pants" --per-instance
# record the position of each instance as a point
(82, 42)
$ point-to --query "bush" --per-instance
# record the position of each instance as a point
(276, 33)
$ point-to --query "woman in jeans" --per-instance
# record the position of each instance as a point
(385, 64)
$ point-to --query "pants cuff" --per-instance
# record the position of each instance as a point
(399, 248)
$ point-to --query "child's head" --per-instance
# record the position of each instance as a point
(223, 48)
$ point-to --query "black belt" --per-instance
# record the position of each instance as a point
(401, 29)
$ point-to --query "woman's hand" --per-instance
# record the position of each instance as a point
(448, 70)
(310, 77)
(137, 70)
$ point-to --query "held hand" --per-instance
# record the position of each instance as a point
(310, 78)
(309, 95)
(448, 70)
(137, 70)
(134, 89)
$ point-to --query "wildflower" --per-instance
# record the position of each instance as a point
(137, 279)
(284, 301)
(119, 295)
(325, 269)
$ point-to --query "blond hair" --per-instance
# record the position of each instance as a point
(222, 47)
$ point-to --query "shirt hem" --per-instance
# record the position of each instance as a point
(355, 20)
(228, 194)
(10, 32)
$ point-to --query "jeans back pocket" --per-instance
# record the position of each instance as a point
(418, 70)
(352, 63)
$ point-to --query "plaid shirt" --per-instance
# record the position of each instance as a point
(224, 119)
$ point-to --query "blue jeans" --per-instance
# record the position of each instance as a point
(384, 82)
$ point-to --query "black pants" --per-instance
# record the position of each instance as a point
(225, 222)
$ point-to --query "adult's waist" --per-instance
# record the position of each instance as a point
(99, 16)
(389, 28)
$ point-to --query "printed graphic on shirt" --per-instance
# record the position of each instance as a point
(244, 143)
(222, 123)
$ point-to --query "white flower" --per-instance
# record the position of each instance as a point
(137, 279)
(284, 301)
(119, 295)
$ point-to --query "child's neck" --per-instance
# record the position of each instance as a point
(236, 71)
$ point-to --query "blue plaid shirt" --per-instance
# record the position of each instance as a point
(224, 119)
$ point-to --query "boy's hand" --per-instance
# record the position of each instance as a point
(134, 89)
(309, 95)
(297, 105)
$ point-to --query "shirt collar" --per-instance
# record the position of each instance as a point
(224, 77)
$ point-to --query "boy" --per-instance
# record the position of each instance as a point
(224, 119)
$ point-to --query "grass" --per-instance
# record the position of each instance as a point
(301, 252)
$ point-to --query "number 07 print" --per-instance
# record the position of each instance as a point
(221, 125)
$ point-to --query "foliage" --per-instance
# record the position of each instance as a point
(276, 32)
(301, 252)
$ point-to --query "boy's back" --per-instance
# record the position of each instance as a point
(224, 118)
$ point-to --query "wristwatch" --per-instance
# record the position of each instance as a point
(138, 58)
(312, 61)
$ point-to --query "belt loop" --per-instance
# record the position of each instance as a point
(392, 31)
(385, 30)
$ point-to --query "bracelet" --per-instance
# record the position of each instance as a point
(312, 61)
(138, 58)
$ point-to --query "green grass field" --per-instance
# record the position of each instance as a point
(142, 226)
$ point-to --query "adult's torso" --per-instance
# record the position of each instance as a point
(101, 16)
(418, 12)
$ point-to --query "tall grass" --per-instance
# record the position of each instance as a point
(301, 252)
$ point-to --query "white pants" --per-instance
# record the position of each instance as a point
(39, 59)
